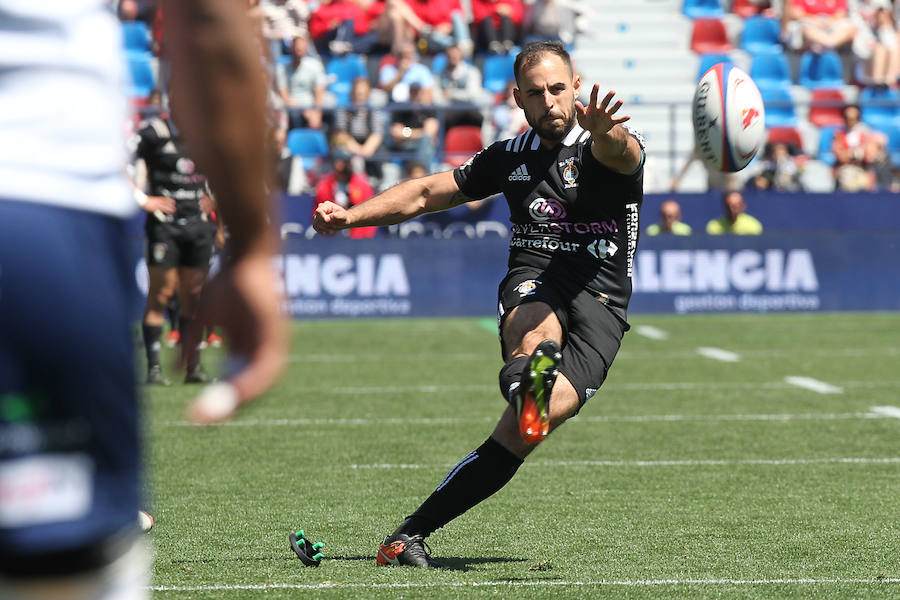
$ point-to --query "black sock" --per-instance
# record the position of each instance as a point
(511, 376)
(475, 478)
(152, 334)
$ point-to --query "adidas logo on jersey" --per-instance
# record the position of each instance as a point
(520, 174)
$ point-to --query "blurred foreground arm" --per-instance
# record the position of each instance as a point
(219, 94)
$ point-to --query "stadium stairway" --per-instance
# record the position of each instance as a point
(640, 49)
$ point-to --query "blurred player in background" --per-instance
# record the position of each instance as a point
(69, 445)
(574, 184)
(179, 237)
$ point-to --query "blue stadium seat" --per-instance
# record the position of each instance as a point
(708, 60)
(702, 9)
(141, 71)
(498, 71)
(894, 144)
(309, 144)
(826, 135)
(438, 62)
(771, 71)
(136, 36)
(880, 107)
(821, 71)
(761, 35)
(779, 108)
(341, 71)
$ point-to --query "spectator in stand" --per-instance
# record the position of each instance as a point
(861, 161)
(341, 26)
(346, 188)
(460, 84)
(444, 25)
(128, 10)
(302, 85)
(415, 129)
(359, 129)
(735, 220)
(552, 20)
(780, 169)
(497, 24)
(876, 45)
(669, 221)
(397, 79)
(507, 117)
(282, 21)
(817, 25)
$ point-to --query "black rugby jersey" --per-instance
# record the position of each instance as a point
(571, 215)
(170, 171)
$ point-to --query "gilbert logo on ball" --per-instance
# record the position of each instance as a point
(729, 118)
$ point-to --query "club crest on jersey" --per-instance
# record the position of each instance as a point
(569, 172)
(546, 209)
(527, 287)
(185, 166)
(159, 252)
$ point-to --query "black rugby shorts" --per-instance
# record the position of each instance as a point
(591, 333)
(188, 244)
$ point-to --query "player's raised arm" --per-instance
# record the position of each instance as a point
(400, 203)
(612, 145)
(219, 89)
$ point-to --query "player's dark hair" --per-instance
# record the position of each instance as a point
(531, 55)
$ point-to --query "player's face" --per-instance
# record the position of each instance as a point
(547, 94)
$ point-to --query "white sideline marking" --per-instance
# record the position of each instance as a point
(718, 354)
(886, 411)
(648, 331)
(504, 583)
(874, 414)
(659, 463)
(813, 384)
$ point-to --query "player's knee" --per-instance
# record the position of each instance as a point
(531, 340)
(511, 376)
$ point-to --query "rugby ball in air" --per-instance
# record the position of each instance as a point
(729, 118)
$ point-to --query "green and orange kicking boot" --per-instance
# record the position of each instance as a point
(538, 377)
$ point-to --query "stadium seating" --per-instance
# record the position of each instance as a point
(702, 9)
(745, 8)
(708, 60)
(761, 35)
(709, 35)
(309, 144)
(140, 69)
(779, 108)
(880, 107)
(438, 63)
(460, 143)
(893, 134)
(826, 136)
(821, 71)
(136, 36)
(341, 71)
(826, 108)
(785, 135)
(771, 71)
(497, 71)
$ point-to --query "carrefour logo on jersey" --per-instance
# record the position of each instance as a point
(340, 284)
(723, 271)
(546, 209)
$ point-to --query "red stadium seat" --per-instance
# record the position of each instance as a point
(709, 35)
(785, 135)
(745, 8)
(826, 108)
(460, 143)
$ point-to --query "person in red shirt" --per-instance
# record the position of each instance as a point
(346, 188)
(497, 24)
(341, 26)
(817, 24)
(859, 153)
(444, 25)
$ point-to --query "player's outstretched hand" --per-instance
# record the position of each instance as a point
(599, 118)
(244, 299)
(330, 218)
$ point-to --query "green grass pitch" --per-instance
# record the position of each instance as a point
(685, 476)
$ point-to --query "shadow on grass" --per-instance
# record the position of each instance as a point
(453, 563)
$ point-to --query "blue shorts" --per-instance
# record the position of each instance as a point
(69, 447)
